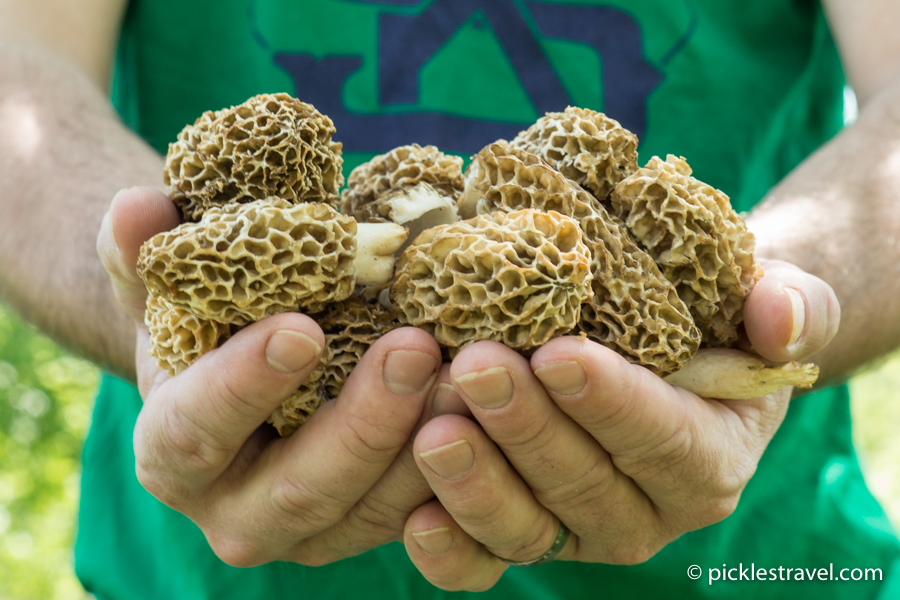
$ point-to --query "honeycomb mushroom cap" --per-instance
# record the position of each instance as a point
(518, 279)
(351, 327)
(371, 183)
(504, 178)
(700, 243)
(635, 310)
(272, 145)
(243, 262)
(177, 337)
(584, 145)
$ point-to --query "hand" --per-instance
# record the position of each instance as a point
(343, 484)
(580, 436)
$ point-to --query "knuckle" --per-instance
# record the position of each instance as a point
(230, 393)
(370, 443)
(159, 486)
(635, 552)
(236, 552)
(306, 510)
(719, 510)
(583, 490)
(377, 520)
(532, 438)
(314, 558)
(187, 441)
(532, 542)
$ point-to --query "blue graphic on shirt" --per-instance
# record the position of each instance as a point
(408, 42)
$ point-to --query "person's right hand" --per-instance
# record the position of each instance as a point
(344, 483)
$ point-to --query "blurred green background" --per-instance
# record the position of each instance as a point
(45, 402)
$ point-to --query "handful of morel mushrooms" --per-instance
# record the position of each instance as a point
(556, 232)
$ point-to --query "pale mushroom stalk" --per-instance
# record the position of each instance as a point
(376, 244)
(728, 374)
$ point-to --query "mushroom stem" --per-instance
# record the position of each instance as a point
(375, 247)
(734, 375)
(419, 208)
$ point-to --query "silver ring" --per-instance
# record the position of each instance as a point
(561, 538)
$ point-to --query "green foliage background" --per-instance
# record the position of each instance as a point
(45, 401)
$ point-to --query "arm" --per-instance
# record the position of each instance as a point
(837, 215)
(198, 443)
(63, 155)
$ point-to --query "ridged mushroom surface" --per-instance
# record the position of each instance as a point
(700, 243)
(177, 337)
(271, 145)
(518, 278)
(351, 327)
(586, 146)
(504, 178)
(635, 310)
(243, 262)
(371, 183)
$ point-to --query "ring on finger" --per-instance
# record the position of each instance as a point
(561, 538)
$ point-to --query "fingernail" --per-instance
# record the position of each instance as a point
(290, 351)
(434, 541)
(798, 315)
(447, 401)
(491, 388)
(563, 378)
(407, 372)
(451, 461)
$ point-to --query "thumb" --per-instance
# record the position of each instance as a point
(790, 314)
(135, 215)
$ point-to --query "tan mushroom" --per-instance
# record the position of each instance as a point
(270, 145)
(372, 184)
(178, 337)
(633, 309)
(243, 262)
(518, 278)
(729, 374)
(701, 244)
(350, 328)
(584, 145)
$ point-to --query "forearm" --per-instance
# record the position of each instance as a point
(63, 155)
(838, 216)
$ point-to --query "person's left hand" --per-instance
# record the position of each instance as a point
(626, 461)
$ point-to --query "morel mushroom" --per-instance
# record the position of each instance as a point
(519, 279)
(702, 246)
(243, 262)
(372, 184)
(634, 309)
(584, 145)
(179, 337)
(350, 328)
(270, 145)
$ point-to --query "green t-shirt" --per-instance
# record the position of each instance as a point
(743, 90)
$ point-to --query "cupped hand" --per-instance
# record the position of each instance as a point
(579, 436)
(342, 484)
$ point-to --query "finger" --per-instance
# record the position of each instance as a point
(485, 496)
(311, 480)
(790, 314)
(566, 468)
(691, 456)
(380, 515)
(135, 215)
(192, 425)
(446, 555)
